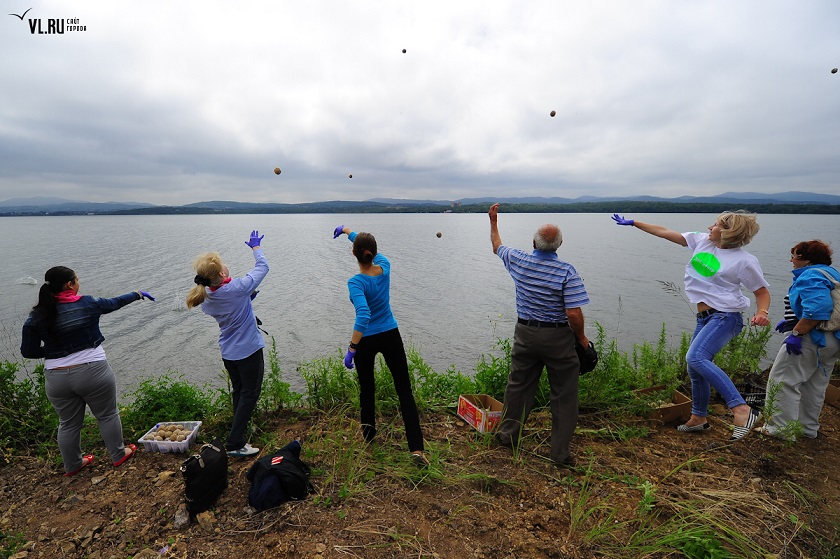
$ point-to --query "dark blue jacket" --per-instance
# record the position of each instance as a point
(76, 327)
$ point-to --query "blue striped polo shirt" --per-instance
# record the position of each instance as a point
(545, 285)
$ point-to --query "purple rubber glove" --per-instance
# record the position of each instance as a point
(146, 295)
(254, 295)
(619, 220)
(348, 358)
(783, 327)
(255, 239)
(338, 231)
(793, 344)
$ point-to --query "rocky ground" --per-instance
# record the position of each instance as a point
(476, 501)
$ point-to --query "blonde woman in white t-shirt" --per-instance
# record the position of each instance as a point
(718, 269)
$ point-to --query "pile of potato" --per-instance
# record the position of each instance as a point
(173, 432)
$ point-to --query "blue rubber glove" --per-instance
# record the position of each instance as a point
(619, 220)
(255, 239)
(254, 295)
(793, 344)
(348, 358)
(146, 295)
(338, 231)
(783, 327)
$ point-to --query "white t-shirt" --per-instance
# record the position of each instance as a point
(715, 275)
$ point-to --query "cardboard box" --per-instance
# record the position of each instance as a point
(152, 445)
(480, 410)
(832, 393)
(677, 408)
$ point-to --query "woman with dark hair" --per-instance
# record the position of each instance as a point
(375, 331)
(718, 268)
(800, 374)
(228, 300)
(63, 328)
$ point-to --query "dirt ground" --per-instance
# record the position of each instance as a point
(484, 504)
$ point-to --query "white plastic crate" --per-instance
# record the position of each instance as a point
(171, 446)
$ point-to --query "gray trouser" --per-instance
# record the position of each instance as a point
(803, 380)
(533, 349)
(69, 390)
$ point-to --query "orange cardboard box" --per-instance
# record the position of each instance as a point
(480, 410)
(832, 393)
(677, 409)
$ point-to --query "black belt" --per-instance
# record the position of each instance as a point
(539, 324)
(707, 312)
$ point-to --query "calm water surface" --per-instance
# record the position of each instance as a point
(451, 295)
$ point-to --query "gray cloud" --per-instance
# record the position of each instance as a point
(174, 103)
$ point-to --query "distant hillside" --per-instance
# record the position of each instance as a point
(784, 202)
(42, 205)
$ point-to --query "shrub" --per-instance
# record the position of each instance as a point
(276, 393)
(165, 398)
(491, 372)
(27, 419)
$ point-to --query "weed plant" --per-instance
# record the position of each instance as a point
(27, 419)
(740, 358)
(276, 393)
(10, 544)
(164, 398)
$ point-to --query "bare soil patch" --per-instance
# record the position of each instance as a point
(483, 504)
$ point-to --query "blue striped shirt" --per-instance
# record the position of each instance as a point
(545, 285)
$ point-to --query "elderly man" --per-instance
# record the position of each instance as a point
(549, 294)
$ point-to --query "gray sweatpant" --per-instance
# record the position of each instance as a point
(804, 379)
(69, 390)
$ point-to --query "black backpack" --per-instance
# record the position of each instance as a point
(205, 477)
(278, 478)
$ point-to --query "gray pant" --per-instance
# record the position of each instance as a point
(804, 379)
(69, 390)
(533, 349)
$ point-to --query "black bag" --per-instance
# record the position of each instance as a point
(278, 478)
(205, 476)
(587, 356)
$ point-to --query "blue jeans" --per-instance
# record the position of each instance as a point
(711, 335)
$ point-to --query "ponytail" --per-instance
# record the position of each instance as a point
(364, 248)
(54, 280)
(207, 267)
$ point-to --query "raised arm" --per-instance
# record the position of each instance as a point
(655, 230)
(495, 238)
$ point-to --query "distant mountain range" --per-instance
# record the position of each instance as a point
(794, 202)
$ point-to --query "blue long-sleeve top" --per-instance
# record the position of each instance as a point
(230, 305)
(371, 296)
(810, 297)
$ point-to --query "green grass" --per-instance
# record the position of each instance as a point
(348, 468)
(11, 544)
(28, 423)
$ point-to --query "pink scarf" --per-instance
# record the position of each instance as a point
(215, 287)
(67, 297)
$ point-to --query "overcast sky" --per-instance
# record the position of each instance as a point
(180, 101)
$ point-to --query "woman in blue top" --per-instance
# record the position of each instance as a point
(228, 300)
(375, 331)
(63, 329)
(804, 364)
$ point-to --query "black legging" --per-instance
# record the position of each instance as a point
(390, 345)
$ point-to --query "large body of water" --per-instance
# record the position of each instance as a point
(451, 295)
